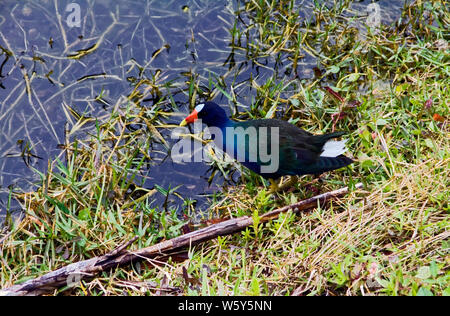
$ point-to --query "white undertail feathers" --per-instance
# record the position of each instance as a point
(333, 148)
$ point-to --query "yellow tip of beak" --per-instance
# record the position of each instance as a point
(183, 123)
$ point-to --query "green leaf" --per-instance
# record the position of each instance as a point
(381, 122)
(446, 292)
(271, 111)
(255, 284)
(429, 143)
(366, 135)
(424, 292)
(295, 102)
(423, 273)
(334, 69)
(58, 204)
(205, 286)
(434, 270)
(353, 77)
(84, 214)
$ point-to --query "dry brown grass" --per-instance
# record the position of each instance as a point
(353, 248)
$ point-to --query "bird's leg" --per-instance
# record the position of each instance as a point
(292, 181)
(274, 187)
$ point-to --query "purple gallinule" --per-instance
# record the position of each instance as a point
(269, 147)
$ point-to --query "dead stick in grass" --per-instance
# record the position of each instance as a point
(75, 272)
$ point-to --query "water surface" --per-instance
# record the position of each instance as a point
(38, 80)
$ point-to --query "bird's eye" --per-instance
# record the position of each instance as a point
(199, 107)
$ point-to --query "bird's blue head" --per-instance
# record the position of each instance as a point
(210, 113)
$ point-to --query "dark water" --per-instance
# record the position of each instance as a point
(40, 35)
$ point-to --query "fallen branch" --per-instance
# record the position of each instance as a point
(75, 272)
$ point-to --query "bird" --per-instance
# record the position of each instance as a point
(271, 148)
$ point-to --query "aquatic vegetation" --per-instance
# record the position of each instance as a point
(322, 65)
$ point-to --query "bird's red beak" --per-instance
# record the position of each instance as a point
(191, 118)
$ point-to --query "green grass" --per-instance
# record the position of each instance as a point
(392, 238)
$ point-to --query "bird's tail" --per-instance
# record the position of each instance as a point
(331, 157)
(330, 148)
(331, 163)
(324, 164)
(333, 148)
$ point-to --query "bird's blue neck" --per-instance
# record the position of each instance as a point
(221, 124)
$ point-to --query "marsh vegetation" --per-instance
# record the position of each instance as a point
(86, 115)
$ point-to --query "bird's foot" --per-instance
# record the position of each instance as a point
(289, 184)
(276, 187)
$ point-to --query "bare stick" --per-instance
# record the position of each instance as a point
(71, 274)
